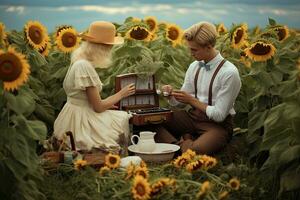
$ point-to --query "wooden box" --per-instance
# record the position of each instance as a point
(144, 104)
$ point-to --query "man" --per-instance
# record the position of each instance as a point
(210, 87)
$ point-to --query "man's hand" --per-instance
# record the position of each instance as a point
(182, 96)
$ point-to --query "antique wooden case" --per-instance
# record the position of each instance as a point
(144, 104)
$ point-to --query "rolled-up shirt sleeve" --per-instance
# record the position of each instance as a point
(225, 97)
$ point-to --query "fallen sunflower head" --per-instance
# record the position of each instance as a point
(234, 183)
(112, 161)
(80, 164)
(141, 188)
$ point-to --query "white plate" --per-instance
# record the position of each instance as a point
(163, 152)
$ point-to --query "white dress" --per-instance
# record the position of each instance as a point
(90, 129)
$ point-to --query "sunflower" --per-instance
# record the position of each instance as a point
(174, 34)
(2, 33)
(260, 51)
(282, 32)
(223, 195)
(142, 171)
(104, 170)
(189, 153)
(221, 29)
(234, 183)
(45, 50)
(112, 161)
(209, 162)
(79, 164)
(60, 28)
(36, 34)
(152, 23)
(130, 169)
(205, 187)
(14, 69)
(195, 165)
(239, 36)
(141, 188)
(160, 183)
(139, 33)
(67, 40)
(181, 161)
(143, 164)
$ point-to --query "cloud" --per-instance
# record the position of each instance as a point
(111, 10)
(18, 9)
(274, 11)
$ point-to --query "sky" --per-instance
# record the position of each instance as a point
(80, 13)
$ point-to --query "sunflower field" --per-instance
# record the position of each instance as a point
(261, 162)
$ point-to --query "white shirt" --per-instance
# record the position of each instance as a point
(226, 87)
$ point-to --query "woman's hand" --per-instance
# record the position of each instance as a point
(127, 90)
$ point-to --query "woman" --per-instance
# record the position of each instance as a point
(85, 114)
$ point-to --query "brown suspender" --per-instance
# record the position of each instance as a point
(211, 81)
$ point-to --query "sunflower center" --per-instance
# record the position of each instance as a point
(35, 34)
(139, 33)
(173, 33)
(281, 32)
(151, 24)
(239, 35)
(112, 160)
(68, 39)
(260, 49)
(233, 184)
(10, 67)
(140, 189)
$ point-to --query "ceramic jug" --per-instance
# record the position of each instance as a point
(145, 142)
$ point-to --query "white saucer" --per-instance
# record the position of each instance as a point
(163, 152)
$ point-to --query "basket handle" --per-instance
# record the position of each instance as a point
(70, 134)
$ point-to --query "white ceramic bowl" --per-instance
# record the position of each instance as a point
(163, 152)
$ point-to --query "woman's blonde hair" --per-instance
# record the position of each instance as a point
(203, 33)
(98, 54)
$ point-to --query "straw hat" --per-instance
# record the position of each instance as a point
(102, 32)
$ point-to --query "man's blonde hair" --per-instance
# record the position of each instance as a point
(203, 33)
(98, 54)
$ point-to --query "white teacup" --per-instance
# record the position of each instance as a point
(145, 142)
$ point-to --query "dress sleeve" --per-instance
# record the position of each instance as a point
(86, 75)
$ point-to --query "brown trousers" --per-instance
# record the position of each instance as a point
(193, 130)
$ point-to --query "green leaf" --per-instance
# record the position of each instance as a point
(290, 180)
(256, 120)
(32, 128)
(23, 102)
(272, 22)
(45, 112)
(292, 153)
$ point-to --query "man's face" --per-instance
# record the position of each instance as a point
(197, 51)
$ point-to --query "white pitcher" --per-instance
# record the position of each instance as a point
(145, 142)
